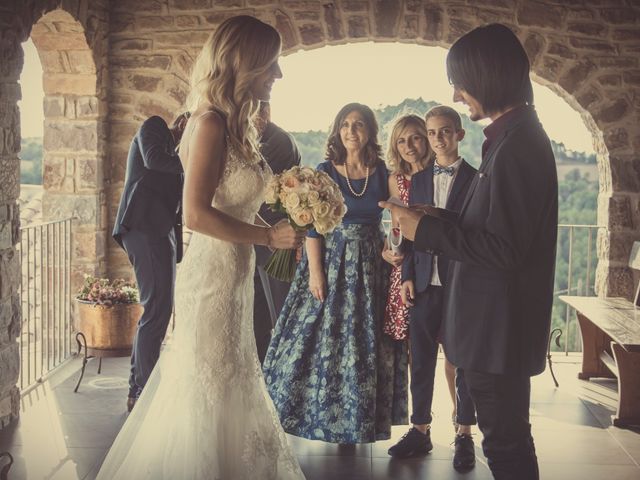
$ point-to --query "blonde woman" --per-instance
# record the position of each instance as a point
(407, 153)
(205, 412)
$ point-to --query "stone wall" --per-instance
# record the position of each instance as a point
(586, 51)
(111, 64)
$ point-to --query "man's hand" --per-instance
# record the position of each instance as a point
(392, 258)
(408, 218)
(407, 293)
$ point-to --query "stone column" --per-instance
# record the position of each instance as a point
(10, 65)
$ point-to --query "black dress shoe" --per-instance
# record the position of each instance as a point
(413, 443)
(464, 458)
(131, 402)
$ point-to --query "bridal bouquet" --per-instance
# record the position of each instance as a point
(310, 199)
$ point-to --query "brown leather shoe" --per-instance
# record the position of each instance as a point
(131, 402)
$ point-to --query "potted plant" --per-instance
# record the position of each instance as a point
(107, 313)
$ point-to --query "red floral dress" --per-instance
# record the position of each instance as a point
(396, 313)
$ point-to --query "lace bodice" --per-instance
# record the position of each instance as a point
(241, 189)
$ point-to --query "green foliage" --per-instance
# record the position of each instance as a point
(312, 143)
(31, 161)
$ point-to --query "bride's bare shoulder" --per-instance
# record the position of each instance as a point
(205, 125)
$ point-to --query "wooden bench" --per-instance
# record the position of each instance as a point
(610, 329)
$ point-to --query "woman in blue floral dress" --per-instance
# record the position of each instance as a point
(332, 373)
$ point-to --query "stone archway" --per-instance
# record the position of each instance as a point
(72, 42)
(586, 53)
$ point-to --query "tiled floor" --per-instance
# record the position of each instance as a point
(64, 436)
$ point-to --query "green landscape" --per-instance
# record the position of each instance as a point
(578, 191)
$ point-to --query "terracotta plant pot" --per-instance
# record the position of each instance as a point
(109, 331)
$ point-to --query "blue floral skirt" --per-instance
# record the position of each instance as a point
(332, 373)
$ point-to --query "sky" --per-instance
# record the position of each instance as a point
(317, 83)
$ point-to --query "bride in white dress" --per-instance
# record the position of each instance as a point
(205, 412)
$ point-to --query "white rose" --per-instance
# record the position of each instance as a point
(291, 201)
(313, 198)
(322, 209)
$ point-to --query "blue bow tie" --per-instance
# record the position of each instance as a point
(437, 170)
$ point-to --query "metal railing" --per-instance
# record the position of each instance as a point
(575, 275)
(45, 260)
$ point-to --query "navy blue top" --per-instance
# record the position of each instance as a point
(363, 209)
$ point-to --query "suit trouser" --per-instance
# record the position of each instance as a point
(269, 296)
(425, 322)
(502, 403)
(154, 263)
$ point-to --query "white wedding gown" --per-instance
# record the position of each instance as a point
(205, 412)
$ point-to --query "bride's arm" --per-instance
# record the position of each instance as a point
(204, 168)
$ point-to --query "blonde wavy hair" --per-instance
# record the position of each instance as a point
(241, 49)
(394, 160)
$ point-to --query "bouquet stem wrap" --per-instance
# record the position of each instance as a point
(282, 265)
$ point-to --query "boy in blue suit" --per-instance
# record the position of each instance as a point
(444, 184)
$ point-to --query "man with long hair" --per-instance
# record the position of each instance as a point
(498, 307)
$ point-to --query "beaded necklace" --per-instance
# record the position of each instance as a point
(366, 181)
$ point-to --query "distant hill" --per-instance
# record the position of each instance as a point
(312, 143)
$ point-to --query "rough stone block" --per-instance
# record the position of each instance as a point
(85, 208)
(72, 84)
(625, 174)
(9, 273)
(198, 4)
(616, 138)
(591, 29)
(144, 83)
(311, 33)
(52, 61)
(596, 46)
(87, 107)
(354, 6)
(549, 68)
(410, 27)
(81, 61)
(612, 111)
(561, 50)
(71, 136)
(187, 21)
(6, 235)
(576, 76)
(88, 245)
(619, 16)
(538, 14)
(89, 174)
(358, 27)
(627, 34)
(130, 62)
(53, 106)
(588, 97)
(154, 23)
(433, 22)
(332, 18)
(618, 210)
(533, 45)
(386, 16)
(9, 179)
(47, 41)
(131, 44)
(610, 80)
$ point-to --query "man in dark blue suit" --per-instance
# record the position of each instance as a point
(500, 286)
(280, 151)
(149, 227)
(444, 183)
